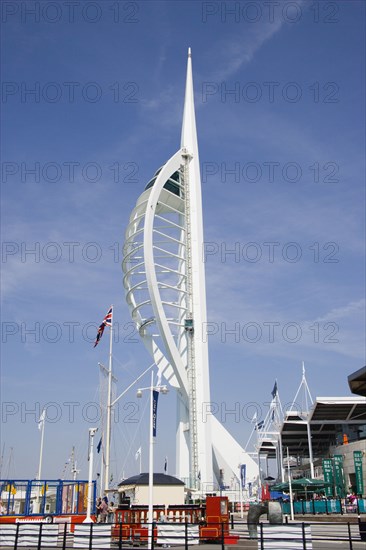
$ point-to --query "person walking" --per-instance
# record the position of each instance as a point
(103, 510)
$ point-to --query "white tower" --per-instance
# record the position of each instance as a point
(164, 280)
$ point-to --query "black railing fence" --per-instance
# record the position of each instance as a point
(95, 536)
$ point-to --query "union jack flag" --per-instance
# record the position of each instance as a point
(107, 322)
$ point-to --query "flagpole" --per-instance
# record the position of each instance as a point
(41, 450)
(140, 459)
(259, 462)
(109, 410)
(101, 470)
(241, 491)
(40, 459)
(151, 466)
(89, 519)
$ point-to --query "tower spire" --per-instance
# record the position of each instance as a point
(189, 132)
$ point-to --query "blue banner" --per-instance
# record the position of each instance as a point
(155, 410)
(243, 469)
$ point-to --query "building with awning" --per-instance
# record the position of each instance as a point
(357, 382)
(167, 489)
(329, 419)
(333, 427)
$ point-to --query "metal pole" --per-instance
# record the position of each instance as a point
(109, 410)
(92, 432)
(16, 536)
(311, 459)
(290, 486)
(303, 536)
(43, 420)
(241, 498)
(349, 536)
(151, 468)
(91, 537)
(40, 536)
(281, 458)
(120, 535)
(64, 537)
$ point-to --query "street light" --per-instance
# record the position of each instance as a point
(164, 390)
(92, 432)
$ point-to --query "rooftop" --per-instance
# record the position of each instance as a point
(158, 479)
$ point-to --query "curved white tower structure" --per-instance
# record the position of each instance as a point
(164, 280)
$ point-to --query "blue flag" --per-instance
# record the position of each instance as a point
(243, 469)
(155, 410)
(99, 446)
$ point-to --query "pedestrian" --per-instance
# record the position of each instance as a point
(103, 510)
(111, 510)
(97, 509)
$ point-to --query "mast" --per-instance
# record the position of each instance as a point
(109, 410)
(41, 424)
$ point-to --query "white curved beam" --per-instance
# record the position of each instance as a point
(172, 166)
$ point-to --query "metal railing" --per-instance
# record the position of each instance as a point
(94, 536)
(326, 506)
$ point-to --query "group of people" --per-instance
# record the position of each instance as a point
(104, 510)
(351, 502)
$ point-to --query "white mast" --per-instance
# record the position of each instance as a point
(92, 432)
(109, 410)
(41, 424)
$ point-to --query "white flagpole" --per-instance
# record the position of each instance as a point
(241, 492)
(89, 519)
(101, 470)
(140, 459)
(109, 410)
(42, 423)
(43, 415)
(151, 467)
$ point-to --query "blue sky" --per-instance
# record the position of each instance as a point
(280, 117)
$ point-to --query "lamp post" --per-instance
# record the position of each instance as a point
(163, 390)
(92, 432)
(290, 486)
